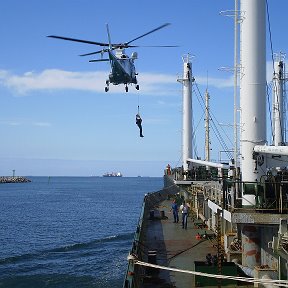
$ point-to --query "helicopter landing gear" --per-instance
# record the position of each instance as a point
(126, 88)
(107, 87)
(137, 87)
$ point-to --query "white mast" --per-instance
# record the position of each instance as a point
(278, 115)
(187, 111)
(235, 84)
(237, 17)
(252, 90)
(207, 127)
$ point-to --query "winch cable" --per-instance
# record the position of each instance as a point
(138, 104)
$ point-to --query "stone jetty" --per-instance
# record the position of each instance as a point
(14, 179)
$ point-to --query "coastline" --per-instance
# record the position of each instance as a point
(14, 179)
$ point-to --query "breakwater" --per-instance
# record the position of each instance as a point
(14, 179)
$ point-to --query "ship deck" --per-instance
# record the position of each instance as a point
(176, 248)
(158, 240)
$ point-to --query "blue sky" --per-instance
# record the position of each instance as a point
(56, 118)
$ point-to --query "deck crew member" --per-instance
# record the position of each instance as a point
(174, 208)
(184, 209)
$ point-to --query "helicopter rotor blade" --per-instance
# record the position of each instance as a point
(108, 34)
(110, 46)
(93, 53)
(160, 46)
(152, 31)
(99, 60)
(79, 40)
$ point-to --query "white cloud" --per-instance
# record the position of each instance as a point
(216, 82)
(10, 123)
(55, 79)
(150, 83)
(21, 122)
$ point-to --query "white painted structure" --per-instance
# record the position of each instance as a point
(208, 163)
(252, 89)
(187, 112)
(274, 150)
(278, 115)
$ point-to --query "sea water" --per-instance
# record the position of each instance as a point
(69, 231)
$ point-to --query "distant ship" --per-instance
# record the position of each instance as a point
(112, 174)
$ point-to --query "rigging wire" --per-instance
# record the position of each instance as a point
(270, 35)
(195, 128)
(268, 86)
(214, 126)
(216, 131)
(194, 143)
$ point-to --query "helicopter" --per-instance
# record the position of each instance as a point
(122, 66)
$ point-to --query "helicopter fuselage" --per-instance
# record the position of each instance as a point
(122, 69)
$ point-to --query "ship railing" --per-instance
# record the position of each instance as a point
(136, 250)
(135, 273)
(270, 196)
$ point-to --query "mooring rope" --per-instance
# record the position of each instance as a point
(279, 283)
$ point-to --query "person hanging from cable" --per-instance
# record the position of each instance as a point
(139, 122)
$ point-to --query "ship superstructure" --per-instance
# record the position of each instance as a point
(243, 203)
(250, 205)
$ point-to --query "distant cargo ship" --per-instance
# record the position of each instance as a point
(112, 174)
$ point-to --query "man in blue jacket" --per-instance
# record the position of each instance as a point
(174, 208)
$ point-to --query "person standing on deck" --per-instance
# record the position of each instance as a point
(185, 210)
(174, 208)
